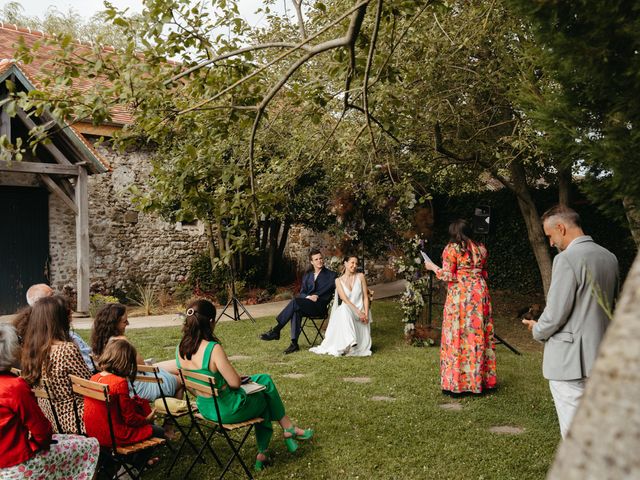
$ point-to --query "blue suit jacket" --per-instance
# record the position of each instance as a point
(324, 285)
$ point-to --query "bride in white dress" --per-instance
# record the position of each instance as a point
(349, 330)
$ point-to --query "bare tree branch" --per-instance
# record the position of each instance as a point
(234, 53)
(297, 5)
(312, 51)
(365, 83)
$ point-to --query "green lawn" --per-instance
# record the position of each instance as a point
(409, 437)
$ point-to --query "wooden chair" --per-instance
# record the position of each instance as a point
(120, 455)
(166, 411)
(205, 386)
(42, 391)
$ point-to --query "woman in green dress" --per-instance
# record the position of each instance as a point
(200, 351)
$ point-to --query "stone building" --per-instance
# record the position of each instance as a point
(41, 226)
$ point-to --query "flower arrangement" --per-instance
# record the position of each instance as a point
(412, 300)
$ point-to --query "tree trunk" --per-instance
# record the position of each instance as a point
(264, 235)
(274, 229)
(632, 212)
(536, 235)
(284, 236)
(564, 186)
(211, 244)
(605, 431)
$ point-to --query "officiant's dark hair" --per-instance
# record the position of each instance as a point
(314, 251)
(460, 232)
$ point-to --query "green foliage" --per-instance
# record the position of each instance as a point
(97, 301)
(145, 296)
(203, 279)
(511, 264)
(589, 56)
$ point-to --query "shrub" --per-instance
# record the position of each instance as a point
(146, 298)
(97, 300)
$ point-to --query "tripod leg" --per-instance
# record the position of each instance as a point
(500, 340)
(224, 310)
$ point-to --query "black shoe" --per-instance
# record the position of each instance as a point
(272, 334)
(292, 348)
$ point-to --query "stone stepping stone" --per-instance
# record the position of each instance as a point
(294, 375)
(507, 430)
(382, 398)
(357, 379)
(236, 358)
(455, 406)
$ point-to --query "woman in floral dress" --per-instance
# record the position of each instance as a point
(467, 348)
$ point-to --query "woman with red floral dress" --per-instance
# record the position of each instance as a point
(467, 348)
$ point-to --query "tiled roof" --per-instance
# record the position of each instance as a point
(9, 37)
(100, 163)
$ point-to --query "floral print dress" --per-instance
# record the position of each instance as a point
(467, 348)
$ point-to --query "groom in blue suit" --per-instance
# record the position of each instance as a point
(318, 286)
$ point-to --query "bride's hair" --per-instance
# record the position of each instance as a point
(348, 257)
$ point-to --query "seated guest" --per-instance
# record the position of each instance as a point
(35, 293)
(27, 446)
(349, 330)
(49, 354)
(316, 292)
(200, 351)
(132, 418)
(111, 322)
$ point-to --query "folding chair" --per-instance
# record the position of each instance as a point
(166, 410)
(42, 391)
(204, 386)
(315, 323)
(121, 456)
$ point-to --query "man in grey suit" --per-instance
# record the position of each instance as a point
(584, 283)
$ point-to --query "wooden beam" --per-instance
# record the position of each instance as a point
(38, 167)
(97, 130)
(82, 240)
(5, 123)
(57, 190)
(66, 185)
(57, 154)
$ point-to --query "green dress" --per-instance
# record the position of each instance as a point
(236, 406)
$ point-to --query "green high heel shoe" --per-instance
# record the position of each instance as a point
(306, 435)
(291, 442)
(262, 464)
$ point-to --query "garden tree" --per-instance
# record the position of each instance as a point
(591, 112)
(384, 81)
(191, 111)
(453, 83)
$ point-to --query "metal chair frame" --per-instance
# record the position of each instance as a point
(204, 385)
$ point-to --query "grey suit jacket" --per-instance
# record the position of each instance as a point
(573, 323)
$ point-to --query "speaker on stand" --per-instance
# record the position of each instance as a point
(481, 227)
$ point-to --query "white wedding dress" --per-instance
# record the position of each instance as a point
(346, 334)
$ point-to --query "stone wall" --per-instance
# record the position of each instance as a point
(128, 248)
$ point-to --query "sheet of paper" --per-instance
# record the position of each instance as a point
(425, 256)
